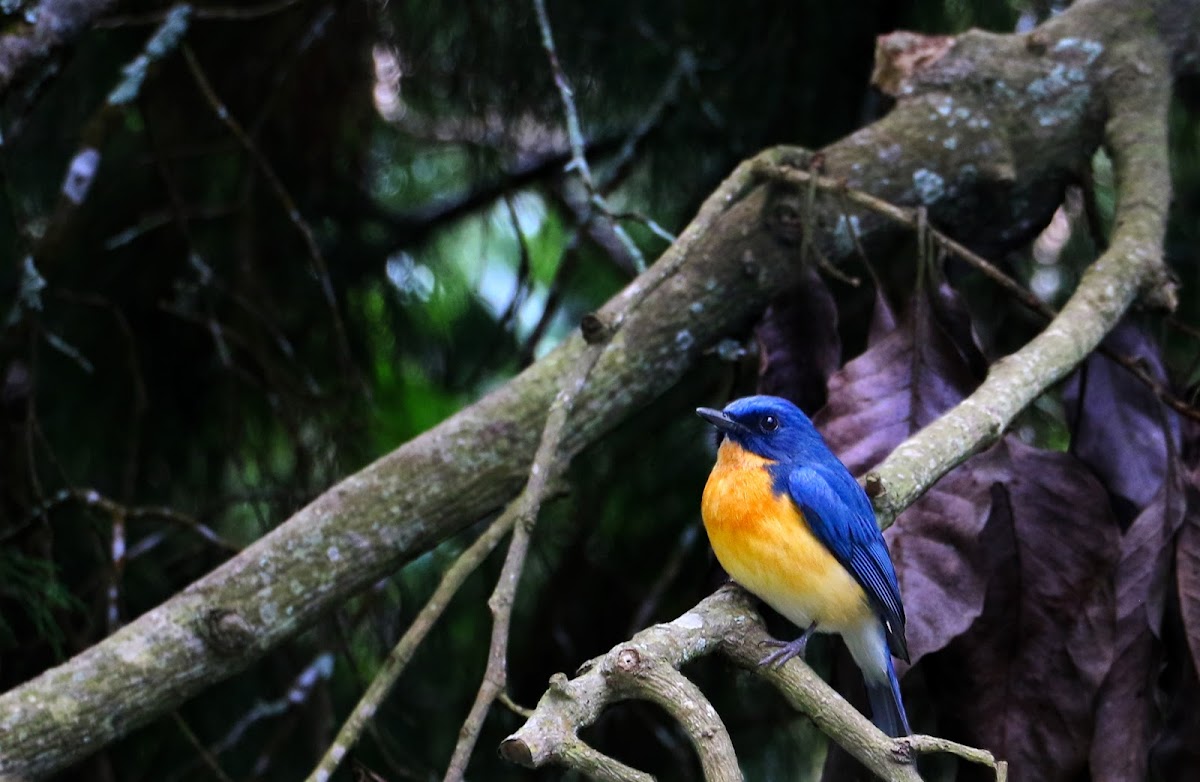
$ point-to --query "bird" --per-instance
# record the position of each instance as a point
(790, 524)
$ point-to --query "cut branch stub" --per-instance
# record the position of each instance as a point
(900, 55)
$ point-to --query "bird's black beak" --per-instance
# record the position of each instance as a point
(720, 419)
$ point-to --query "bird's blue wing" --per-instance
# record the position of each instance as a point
(840, 515)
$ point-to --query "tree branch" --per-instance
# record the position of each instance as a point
(727, 622)
(1136, 134)
(56, 23)
(625, 249)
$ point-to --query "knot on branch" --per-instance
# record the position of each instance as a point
(628, 660)
(873, 485)
(903, 752)
(785, 217)
(1161, 291)
(595, 329)
(225, 631)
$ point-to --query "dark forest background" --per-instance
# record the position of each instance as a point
(297, 234)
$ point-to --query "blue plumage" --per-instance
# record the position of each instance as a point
(840, 515)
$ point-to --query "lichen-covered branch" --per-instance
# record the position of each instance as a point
(51, 25)
(1137, 95)
(725, 622)
(996, 120)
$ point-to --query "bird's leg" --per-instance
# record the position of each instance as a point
(788, 649)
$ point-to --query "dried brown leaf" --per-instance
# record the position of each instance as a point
(1187, 566)
(1126, 712)
(906, 379)
(940, 562)
(902, 382)
(798, 344)
(1022, 681)
(1118, 421)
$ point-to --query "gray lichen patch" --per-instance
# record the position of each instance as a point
(929, 186)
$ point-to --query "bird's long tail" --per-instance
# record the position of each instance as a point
(887, 710)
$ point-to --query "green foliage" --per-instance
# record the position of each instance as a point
(31, 590)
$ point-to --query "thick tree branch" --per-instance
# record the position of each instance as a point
(1137, 95)
(984, 138)
(54, 24)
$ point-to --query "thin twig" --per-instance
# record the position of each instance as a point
(117, 549)
(655, 228)
(208, 13)
(320, 268)
(297, 695)
(205, 756)
(661, 684)
(402, 652)
(524, 269)
(567, 261)
(507, 702)
(114, 509)
(926, 745)
(544, 471)
(546, 468)
(579, 162)
(668, 95)
(724, 622)
(139, 399)
(666, 577)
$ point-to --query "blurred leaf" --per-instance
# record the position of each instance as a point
(941, 562)
(1126, 712)
(34, 587)
(798, 343)
(1118, 421)
(953, 317)
(1187, 567)
(905, 379)
(1023, 680)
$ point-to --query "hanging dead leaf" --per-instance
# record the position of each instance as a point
(1118, 422)
(902, 382)
(1022, 681)
(799, 345)
(1126, 712)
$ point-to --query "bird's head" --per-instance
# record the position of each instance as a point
(768, 426)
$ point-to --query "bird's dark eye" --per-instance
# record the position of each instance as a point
(769, 423)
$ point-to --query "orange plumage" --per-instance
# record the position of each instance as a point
(764, 543)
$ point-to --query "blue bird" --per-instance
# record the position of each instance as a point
(790, 524)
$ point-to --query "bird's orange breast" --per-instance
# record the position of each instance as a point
(764, 543)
